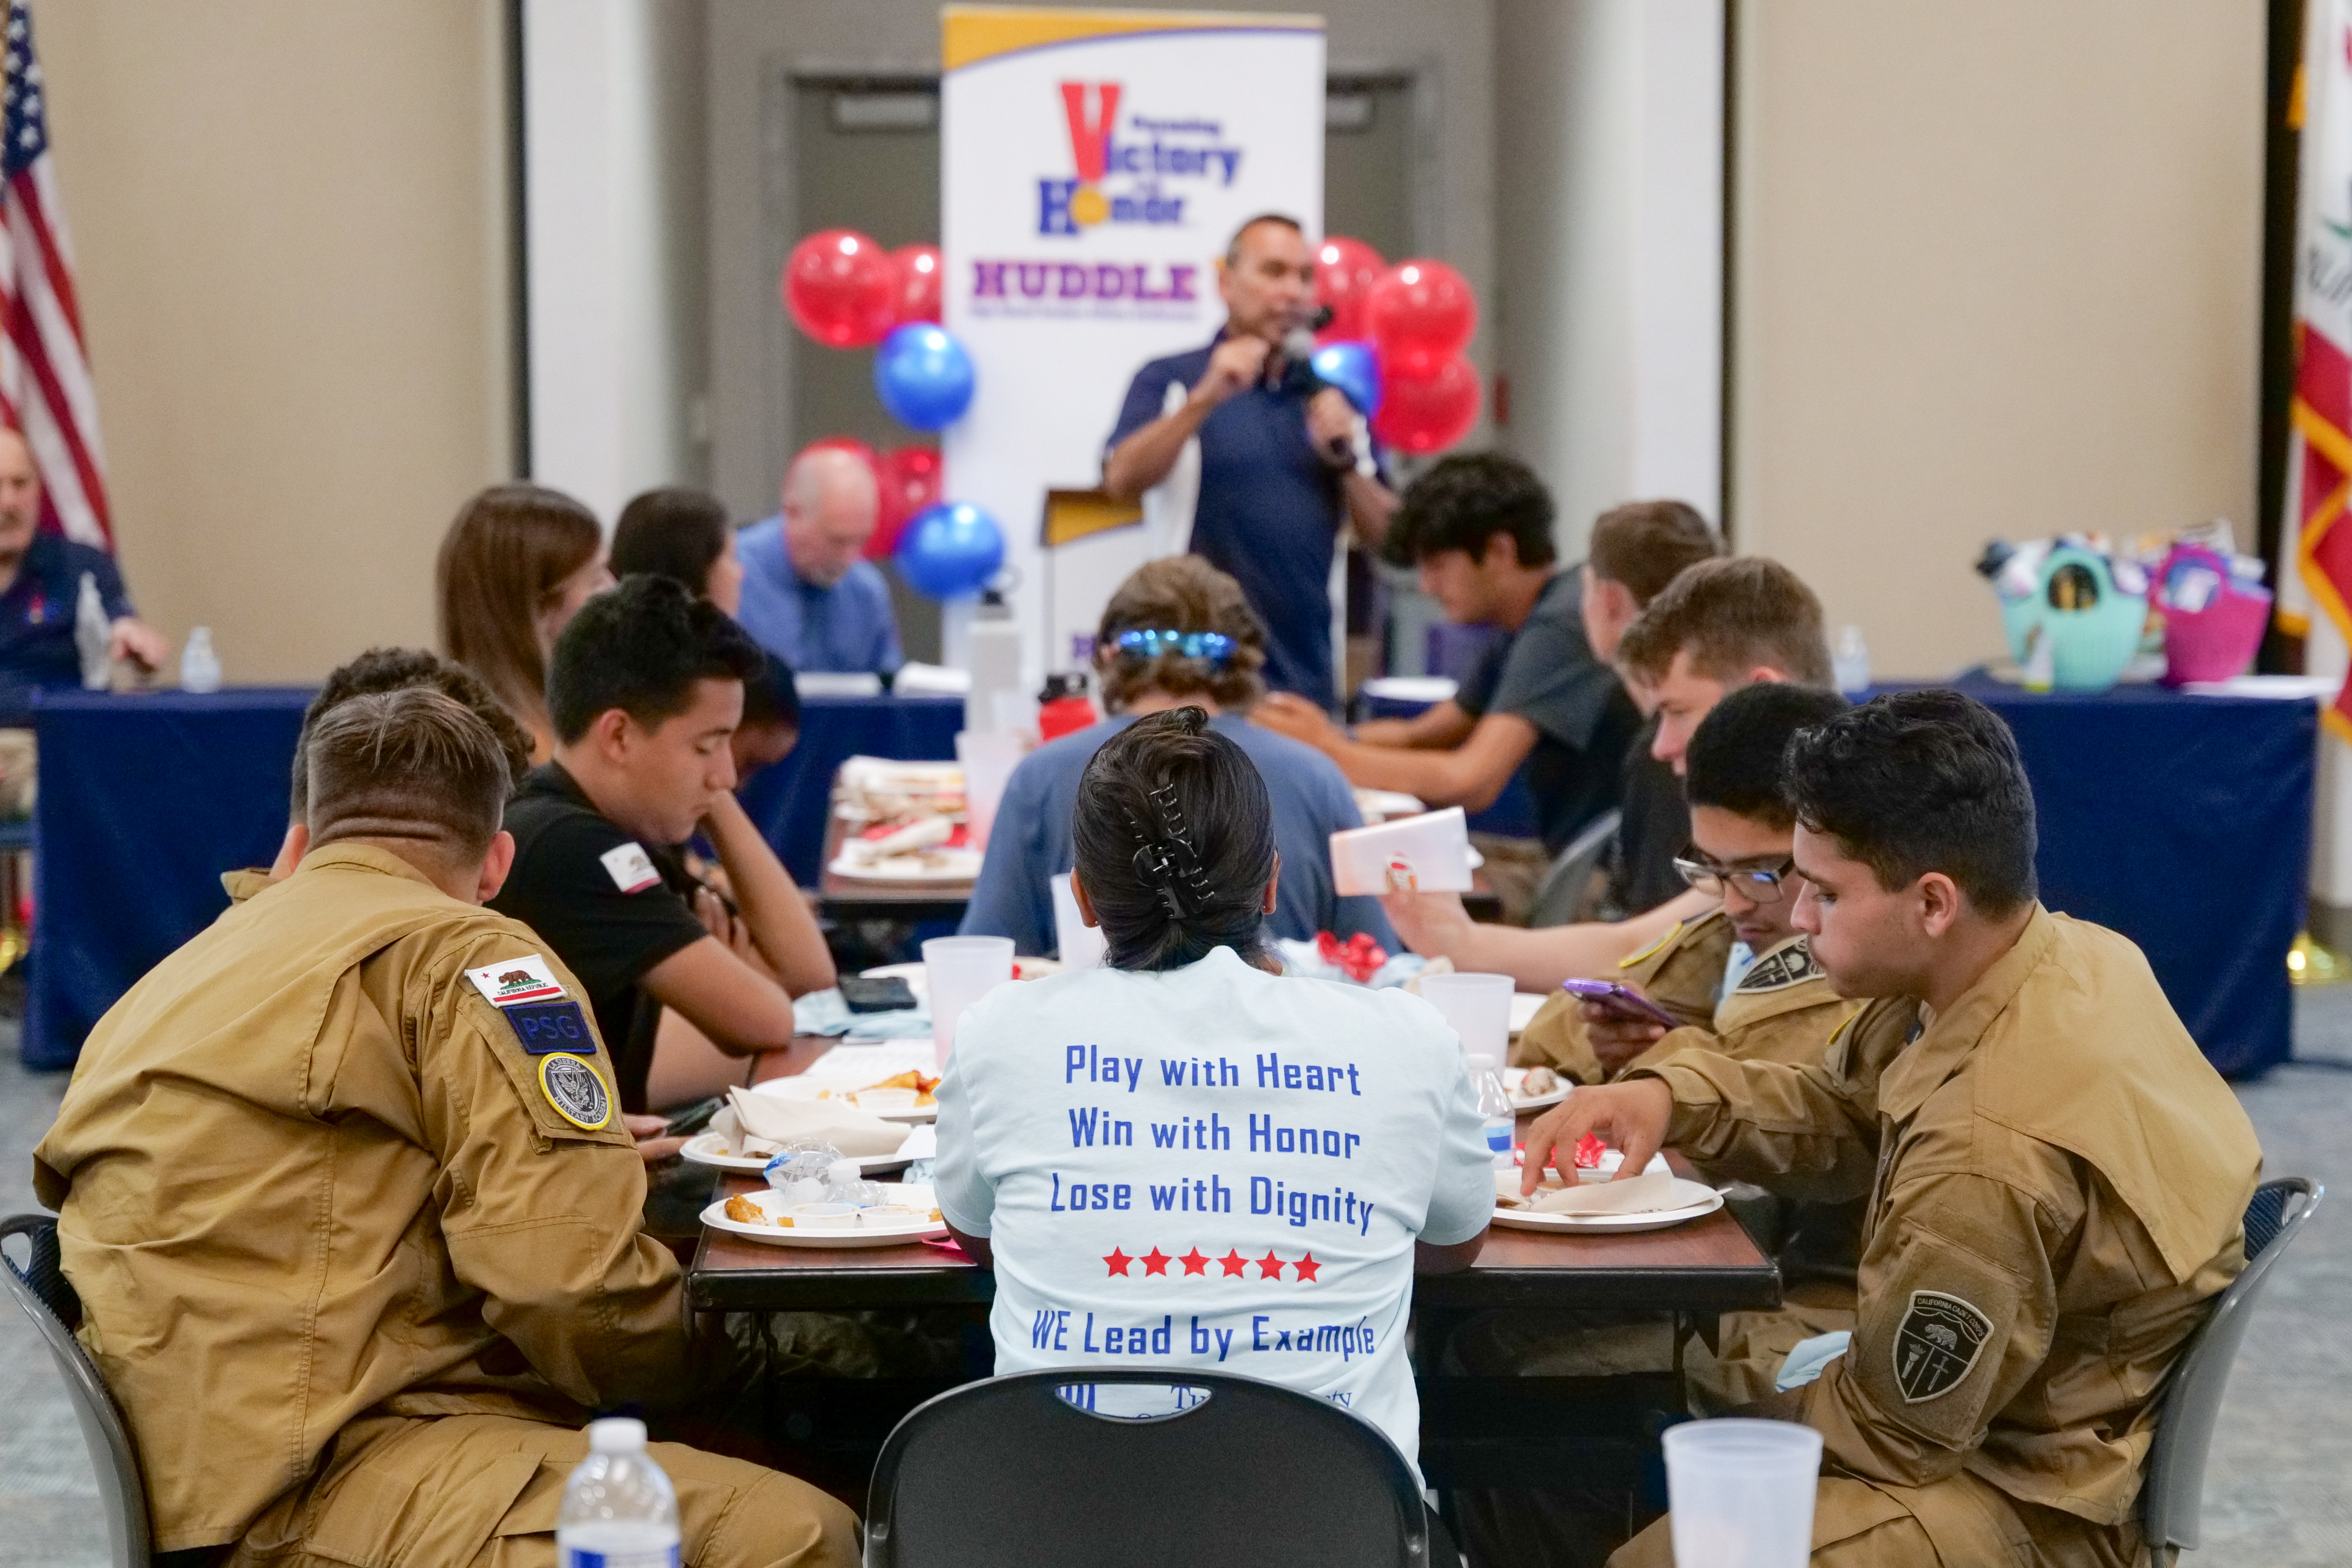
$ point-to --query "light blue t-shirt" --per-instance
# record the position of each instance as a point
(848, 627)
(1030, 843)
(1212, 1167)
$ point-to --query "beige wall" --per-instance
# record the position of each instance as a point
(290, 220)
(1997, 274)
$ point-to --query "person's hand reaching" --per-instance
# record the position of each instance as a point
(1617, 1036)
(1430, 924)
(1288, 713)
(652, 1133)
(1234, 364)
(139, 643)
(1628, 1117)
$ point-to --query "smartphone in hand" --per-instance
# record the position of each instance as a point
(1622, 999)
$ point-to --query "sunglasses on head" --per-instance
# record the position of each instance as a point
(1213, 646)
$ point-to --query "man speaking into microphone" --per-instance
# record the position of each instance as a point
(1281, 463)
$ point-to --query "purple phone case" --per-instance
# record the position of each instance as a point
(1627, 1001)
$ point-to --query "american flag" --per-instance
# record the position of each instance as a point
(45, 385)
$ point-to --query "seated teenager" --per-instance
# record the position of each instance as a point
(1718, 627)
(2057, 1176)
(1178, 633)
(646, 691)
(684, 535)
(356, 1244)
(1278, 1156)
(1742, 980)
(1479, 526)
(516, 566)
(379, 670)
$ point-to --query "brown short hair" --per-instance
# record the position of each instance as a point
(1730, 616)
(1182, 593)
(508, 552)
(1645, 544)
(395, 669)
(408, 764)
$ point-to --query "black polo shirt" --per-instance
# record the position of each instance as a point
(1545, 673)
(1653, 830)
(610, 906)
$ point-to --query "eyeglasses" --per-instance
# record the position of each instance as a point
(1213, 646)
(1758, 887)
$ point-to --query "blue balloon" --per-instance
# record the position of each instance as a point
(1355, 370)
(955, 548)
(923, 376)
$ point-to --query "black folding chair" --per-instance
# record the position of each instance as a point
(41, 1289)
(1010, 1472)
(2172, 1494)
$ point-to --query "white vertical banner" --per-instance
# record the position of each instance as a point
(1092, 165)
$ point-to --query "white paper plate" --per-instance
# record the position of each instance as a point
(1513, 1077)
(805, 1087)
(919, 1198)
(1525, 1005)
(1698, 1200)
(704, 1148)
(920, 982)
(929, 865)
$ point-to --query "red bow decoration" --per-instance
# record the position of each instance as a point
(1358, 958)
(1588, 1152)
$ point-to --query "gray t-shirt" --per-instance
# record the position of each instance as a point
(1546, 674)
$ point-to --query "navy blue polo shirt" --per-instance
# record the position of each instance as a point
(1269, 511)
(36, 617)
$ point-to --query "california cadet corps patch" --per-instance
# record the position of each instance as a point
(1791, 965)
(578, 1094)
(1935, 1344)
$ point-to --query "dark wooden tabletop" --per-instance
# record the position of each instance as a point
(1707, 1266)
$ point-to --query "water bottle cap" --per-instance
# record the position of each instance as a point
(616, 1435)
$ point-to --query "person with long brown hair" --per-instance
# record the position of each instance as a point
(514, 568)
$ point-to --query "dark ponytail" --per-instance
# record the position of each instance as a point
(1174, 841)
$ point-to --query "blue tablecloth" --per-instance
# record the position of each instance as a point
(789, 800)
(2183, 822)
(145, 800)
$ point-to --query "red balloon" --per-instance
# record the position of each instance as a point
(1420, 307)
(842, 289)
(1344, 272)
(1427, 403)
(910, 478)
(921, 277)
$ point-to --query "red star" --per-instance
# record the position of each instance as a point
(1233, 1261)
(1156, 1262)
(1269, 1267)
(1118, 1261)
(1308, 1268)
(1193, 1262)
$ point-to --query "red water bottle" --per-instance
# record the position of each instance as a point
(1064, 707)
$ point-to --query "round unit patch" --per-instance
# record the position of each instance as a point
(578, 1095)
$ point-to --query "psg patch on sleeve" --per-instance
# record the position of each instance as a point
(544, 1027)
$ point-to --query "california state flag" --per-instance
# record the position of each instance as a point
(2315, 542)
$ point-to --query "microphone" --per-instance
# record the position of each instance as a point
(1299, 359)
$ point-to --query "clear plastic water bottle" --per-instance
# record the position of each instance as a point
(1494, 1112)
(618, 1510)
(1849, 663)
(200, 667)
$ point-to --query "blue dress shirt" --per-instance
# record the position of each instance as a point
(848, 627)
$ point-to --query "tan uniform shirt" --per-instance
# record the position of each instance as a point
(2056, 1182)
(306, 1171)
(1682, 972)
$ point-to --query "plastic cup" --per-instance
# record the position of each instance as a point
(1478, 1005)
(960, 971)
(988, 763)
(1741, 1492)
(1082, 946)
